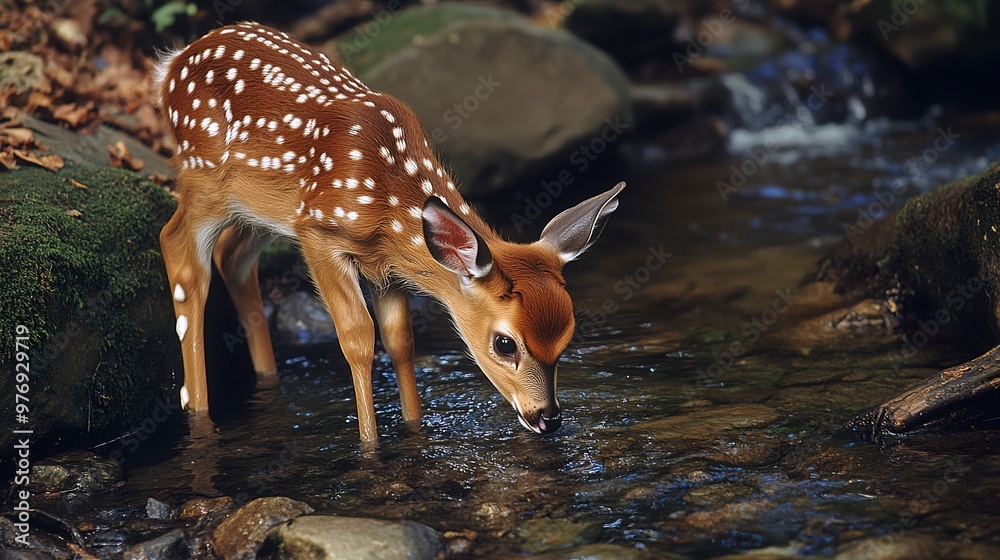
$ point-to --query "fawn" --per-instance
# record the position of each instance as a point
(273, 140)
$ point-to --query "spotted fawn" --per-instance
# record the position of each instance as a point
(274, 141)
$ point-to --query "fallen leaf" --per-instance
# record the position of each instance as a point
(50, 162)
(121, 157)
(7, 159)
(17, 136)
(73, 212)
(71, 113)
(76, 183)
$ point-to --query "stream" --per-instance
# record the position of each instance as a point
(675, 441)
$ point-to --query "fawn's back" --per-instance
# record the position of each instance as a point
(270, 115)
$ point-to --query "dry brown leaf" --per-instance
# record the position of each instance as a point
(7, 159)
(71, 113)
(121, 157)
(50, 162)
(76, 183)
(74, 213)
(17, 137)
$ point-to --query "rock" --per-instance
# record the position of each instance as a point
(75, 471)
(543, 533)
(82, 272)
(316, 537)
(155, 509)
(511, 100)
(908, 546)
(20, 71)
(709, 423)
(175, 545)
(631, 31)
(200, 507)
(601, 551)
(92, 149)
(303, 317)
(663, 104)
(748, 450)
(243, 532)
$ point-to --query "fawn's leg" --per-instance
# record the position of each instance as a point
(236, 258)
(186, 246)
(393, 312)
(336, 276)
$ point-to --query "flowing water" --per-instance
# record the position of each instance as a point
(686, 434)
(675, 441)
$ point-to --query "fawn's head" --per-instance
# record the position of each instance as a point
(514, 312)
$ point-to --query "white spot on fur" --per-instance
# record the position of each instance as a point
(182, 327)
(179, 295)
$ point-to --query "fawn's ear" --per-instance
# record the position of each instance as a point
(576, 229)
(452, 242)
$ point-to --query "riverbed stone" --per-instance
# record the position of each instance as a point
(509, 100)
(241, 534)
(710, 422)
(175, 545)
(316, 537)
(544, 533)
(81, 270)
(602, 551)
(907, 546)
(75, 471)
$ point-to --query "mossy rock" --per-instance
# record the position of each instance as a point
(81, 269)
(502, 99)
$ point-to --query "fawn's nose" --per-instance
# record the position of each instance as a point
(549, 420)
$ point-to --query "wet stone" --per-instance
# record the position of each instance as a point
(907, 546)
(200, 507)
(155, 509)
(544, 534)
(602, 551)
(76, 471)
(714, 494)
(710, 422)
(175, 545)
(748, 450)
(316, 537)
(241, 534)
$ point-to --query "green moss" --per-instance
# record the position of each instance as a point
(366, 46)
(81, 268)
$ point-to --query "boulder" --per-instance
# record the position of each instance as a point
(84, 283)
(315, 537)
(501, 98)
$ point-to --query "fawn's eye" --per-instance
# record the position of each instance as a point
(504, 346)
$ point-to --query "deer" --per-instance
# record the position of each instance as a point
(275, 141)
